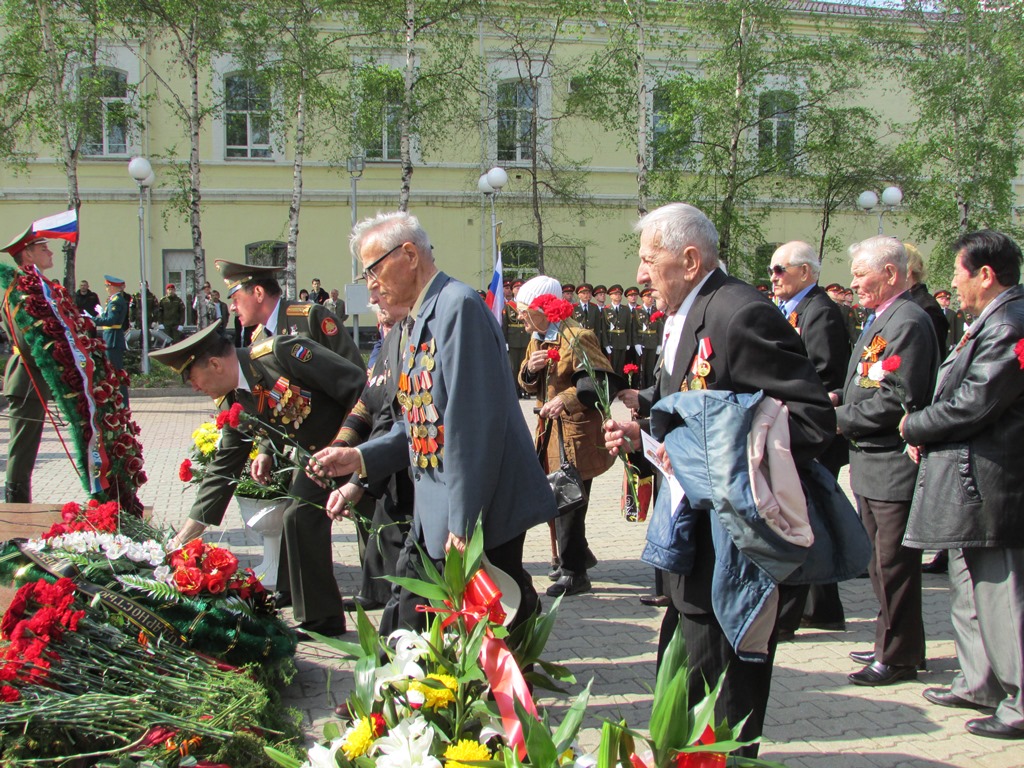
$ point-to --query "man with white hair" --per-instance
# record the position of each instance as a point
(882, 475)
(794, 274)
(721, 334)
(461, 430)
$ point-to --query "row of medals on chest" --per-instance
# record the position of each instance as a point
(417, 401)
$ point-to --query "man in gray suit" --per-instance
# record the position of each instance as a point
(970, 489)
(882, 476)
(462, 431)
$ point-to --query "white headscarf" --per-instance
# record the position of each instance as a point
(537, 286)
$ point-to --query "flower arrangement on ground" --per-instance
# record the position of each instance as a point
(453, 694)
(84, 385)
(80, 682)
(196, 597)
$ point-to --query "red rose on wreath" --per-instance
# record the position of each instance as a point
(119, 450)
(111, 421)
(189, 580)
(215, 583)
(220, 559)
(134, 465)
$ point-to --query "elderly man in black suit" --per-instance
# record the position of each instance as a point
(820, 322)
(882, 476)
(725, 333)
(970, 490)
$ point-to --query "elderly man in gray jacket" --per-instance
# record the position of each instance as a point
(970, 489)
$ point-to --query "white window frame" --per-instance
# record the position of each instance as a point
(504, 71)
(223, 67)
(396, 63)
(123, 60)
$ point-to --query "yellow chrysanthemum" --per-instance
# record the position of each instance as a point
(437, 698)
(254, 452)
(205, 438)
(568, 757)
(465, 750)
(359, 739)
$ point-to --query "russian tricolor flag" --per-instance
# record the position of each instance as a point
(495, 293)
(60, 226)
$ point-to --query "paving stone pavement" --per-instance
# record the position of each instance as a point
(816, 719)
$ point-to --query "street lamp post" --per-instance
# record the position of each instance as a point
(356, 165)
(140, 169)
(490, 185)
(892, 196)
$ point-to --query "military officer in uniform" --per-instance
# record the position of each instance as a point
(24, 387)
(287, 386)
(648, 325)
(569, 292)
(171, 313)
(256, 299)
(618, 327)
(587, 313)
(112, 322)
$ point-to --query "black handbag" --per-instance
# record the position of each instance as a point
(566, 482)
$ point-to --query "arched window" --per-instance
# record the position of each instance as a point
(517, 102)
(108, 118)
(246, 118)
(268, 253)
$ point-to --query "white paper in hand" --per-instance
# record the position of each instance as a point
(651, 446)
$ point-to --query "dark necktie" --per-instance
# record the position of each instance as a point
(867, 324)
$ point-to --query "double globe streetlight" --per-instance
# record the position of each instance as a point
(140, 169)
(490, 185)
(891, 197)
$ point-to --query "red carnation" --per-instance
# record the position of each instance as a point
(185, 471)
(558, 310)
(378, 723)
(554, 354)
(9, 694)
(891, 363)
(657, 315)
(231, 417)
(1018, 350)
(629, 369)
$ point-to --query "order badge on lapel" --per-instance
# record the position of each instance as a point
(701, 367)
(867, 358)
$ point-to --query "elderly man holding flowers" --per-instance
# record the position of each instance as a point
(556, 352)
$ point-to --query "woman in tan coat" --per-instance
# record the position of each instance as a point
(548, 374)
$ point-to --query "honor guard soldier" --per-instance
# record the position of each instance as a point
(171, 313)
(24, 387)
(649, 324)
(112, 322)
(516, 336)
(587, 313)
(618, 326)
(287, 386)
(256, 298)
(600, 296)
(569, 292)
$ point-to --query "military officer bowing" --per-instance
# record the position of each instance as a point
(288, 386)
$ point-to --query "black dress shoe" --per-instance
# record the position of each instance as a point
(877, 673)
(868, 657)
(333, 626)
(555, 574)
(828, 626)
(569, 584)
(993, 729)
(368, 604)
(658, 601)
(945, 697)
(939, 563)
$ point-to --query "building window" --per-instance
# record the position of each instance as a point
(776, 139)
(246, 117)
(378, 129)
(268, 253)
(517, 104)
(108, 119)
(669, 143)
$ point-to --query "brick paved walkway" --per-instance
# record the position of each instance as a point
(815, 718)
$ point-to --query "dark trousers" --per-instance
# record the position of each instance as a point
(571, 535)
(385, 537)
(747, 684)
(895, 573)
(307, 562)
(26, 431)
(618, 359)
(401, 611)
(648, 367)
(515, 361)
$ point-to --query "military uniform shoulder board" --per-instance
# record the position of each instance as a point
(265, 347)
(302, 353)
(299, 310)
